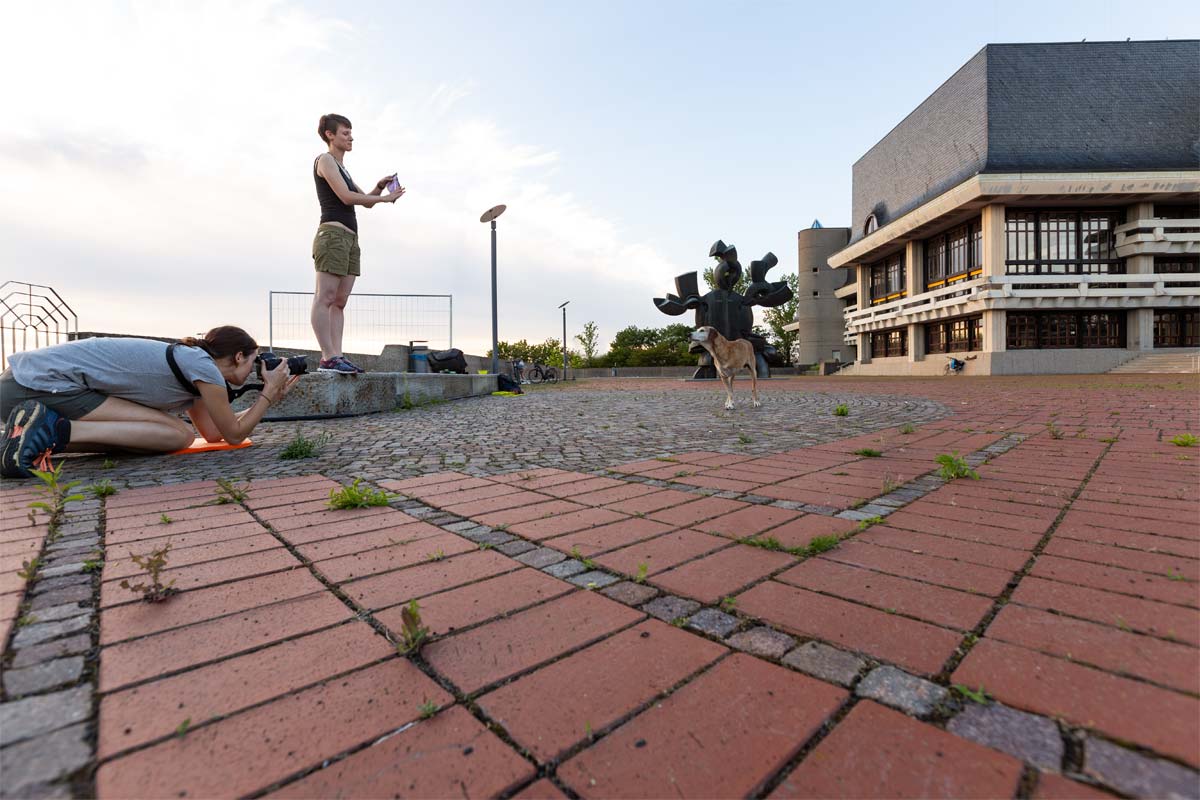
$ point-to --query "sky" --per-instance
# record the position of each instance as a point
(159, 172)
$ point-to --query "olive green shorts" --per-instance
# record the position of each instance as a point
(72, 404)
(335, 250)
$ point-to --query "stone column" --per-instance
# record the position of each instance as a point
(1139, 322)
(864, 348)
(914, 284)
(994, 251)
(863, 275)
(995, 331)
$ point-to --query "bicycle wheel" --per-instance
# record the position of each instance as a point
(551, 375)
(534, 374)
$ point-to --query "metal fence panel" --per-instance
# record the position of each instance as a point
(372, 321)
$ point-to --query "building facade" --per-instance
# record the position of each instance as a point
(1039, 212)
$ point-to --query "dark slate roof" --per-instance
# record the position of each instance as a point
(1069, 107)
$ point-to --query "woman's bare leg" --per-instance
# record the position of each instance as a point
(337, 312)
(120, 425)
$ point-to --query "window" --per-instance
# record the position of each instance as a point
(1048, 330)
(1164, 211)
(814, 294)
(1177, 328)
(954, 335)
(953, 255)
(888, 278)
(871, 225)
(889, 343)
(1174, 265)
(1061, 243)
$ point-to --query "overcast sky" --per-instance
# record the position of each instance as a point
(159, 167)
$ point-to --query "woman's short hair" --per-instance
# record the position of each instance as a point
(329, 123)
(224, 341)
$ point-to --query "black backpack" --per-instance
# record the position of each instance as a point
(507, 384)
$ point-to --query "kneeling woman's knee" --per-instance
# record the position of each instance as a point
(178, 438)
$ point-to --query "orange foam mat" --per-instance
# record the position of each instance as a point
(203, 446)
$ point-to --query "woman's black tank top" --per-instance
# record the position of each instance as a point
(332, 208)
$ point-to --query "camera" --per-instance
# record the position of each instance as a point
(297, 365)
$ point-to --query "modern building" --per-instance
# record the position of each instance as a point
(1038, 212)
(819, 320)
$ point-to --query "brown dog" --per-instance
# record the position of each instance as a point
(728, 357)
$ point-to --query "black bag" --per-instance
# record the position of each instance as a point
(507, 384)
(448, 361)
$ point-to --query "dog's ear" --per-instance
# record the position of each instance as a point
(712, 333)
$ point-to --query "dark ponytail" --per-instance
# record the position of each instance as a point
(223, 342)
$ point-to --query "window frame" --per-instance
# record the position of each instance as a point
(1073, 239)
(1067, 329)
(965, 238)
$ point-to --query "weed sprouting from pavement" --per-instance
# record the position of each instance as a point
(427, 709)
(728, 604)
(28, 568)
(907, 428)
(581, 558)
(1184, 440)
(302, 446)
(955, 466)
(152, 564)
(163, 519)
(744, 439)
(355, 496)
(228, 491)
(867, 452)
(57, 494)
(819, 544)
(1055, 433)
(102, 488)
(413, 632)
(841, 410)
(979, 695)
(868, 522)
(889, 485)
(642, 570)
(108, 463)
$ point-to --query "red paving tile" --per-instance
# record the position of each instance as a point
(392, 588)
(616, 494)
(946, 547)
(325, 522)
(542, 510)
(1160, 563)
(800, 532)
(877, 752)
(118, 565)
(540, 790)
(724, 573)
(446, 612)
(1160, 719)
(1166, 663)
(358, 542)
(559, 524)
(649, 503)
(140, 619)
(608, 537)
(1116, 579)
(466, 496)
(502, 502)
(189, 578)
(966, 531)
(945, 607)
(570, 490)
(916, 646)
(662, 552)
(479, 657)
(138, 659)
(249, 752)
(744, 719)
(136, 716)
(747, 521)
(543, 711)
(450, 755)
(697, 510)
(1143, 616)
(1135, 540)
(386, 559)
(966, 577)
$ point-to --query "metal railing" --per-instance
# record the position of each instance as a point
(372, 320)
(29, 310)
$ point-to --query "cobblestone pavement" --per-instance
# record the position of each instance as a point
(611, 604)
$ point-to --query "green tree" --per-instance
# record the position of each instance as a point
(650, 347)
(548, 352)
(589, 340)
(775, 318)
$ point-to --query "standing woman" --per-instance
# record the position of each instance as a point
(335, 249)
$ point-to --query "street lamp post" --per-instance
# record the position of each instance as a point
(490, 216)
(564, 310)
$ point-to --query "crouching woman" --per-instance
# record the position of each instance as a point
(122, 395)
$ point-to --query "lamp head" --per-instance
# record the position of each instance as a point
(492, 213)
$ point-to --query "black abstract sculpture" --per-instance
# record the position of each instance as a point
(726, 310)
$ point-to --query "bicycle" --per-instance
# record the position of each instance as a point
(540, 372)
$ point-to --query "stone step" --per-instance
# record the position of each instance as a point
(1163, 361)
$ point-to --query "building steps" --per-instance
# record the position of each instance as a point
(1163, 361)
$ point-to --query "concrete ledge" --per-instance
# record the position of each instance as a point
(327, 395)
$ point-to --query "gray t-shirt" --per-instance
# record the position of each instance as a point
(132, 369)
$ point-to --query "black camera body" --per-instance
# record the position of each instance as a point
(297, 365)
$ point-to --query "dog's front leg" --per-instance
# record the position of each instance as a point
(727, 382)
(754, 384)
